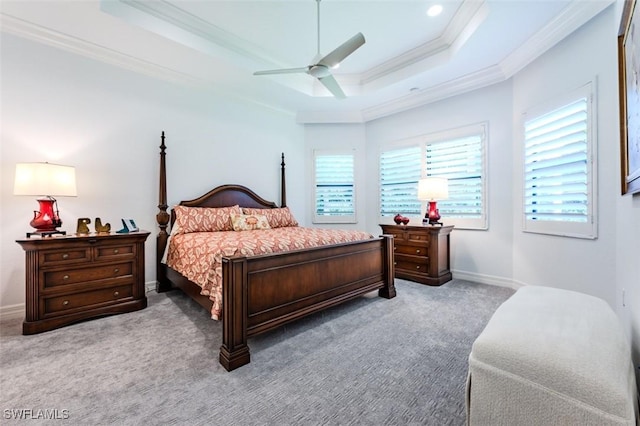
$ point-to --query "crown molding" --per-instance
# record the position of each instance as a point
(37, 33)
(464, 84)
(569, 20)
(462, 25)
(24, 29)
(194, 31)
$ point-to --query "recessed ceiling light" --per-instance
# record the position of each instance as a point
(434, 10)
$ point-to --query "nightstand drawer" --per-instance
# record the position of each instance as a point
(114, 252)
(418, 237)
(58, 304)
(413, 265)
(411, 250)
(63, 257)
(93, 273)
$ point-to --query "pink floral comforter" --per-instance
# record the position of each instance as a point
(198, 255)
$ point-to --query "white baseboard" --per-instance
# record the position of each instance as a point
(12, 311)
(487, 279)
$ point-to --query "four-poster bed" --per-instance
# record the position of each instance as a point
(261, 292)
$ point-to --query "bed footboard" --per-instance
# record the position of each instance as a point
(264, 292)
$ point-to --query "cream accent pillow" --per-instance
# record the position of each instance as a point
(249, 222)
(278, 218)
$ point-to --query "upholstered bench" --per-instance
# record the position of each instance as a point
(551, 357)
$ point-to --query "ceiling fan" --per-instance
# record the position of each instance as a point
(321, 65)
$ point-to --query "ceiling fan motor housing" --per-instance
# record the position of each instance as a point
(319, 71)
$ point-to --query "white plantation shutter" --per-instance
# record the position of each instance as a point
(558, 172)
(458, 155)
(334, 195)
(400, 170)
(460, 160)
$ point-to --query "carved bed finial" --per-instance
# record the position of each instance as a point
(283, 186)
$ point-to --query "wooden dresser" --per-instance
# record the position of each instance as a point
(421, 252)
(74, 278)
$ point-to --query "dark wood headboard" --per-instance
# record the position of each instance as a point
(226, 196)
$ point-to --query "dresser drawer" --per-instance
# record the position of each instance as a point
(411, 250)
(114, 252)
(59, 304)
(418, 237)
(64, 257)
(92, 273)
(412, 264)
(397, 236)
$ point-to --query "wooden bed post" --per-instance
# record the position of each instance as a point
(389, 290)
(234, 351)
(283, 185)
(162, 284)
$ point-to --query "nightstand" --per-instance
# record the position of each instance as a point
(74, 278)
(421, 252)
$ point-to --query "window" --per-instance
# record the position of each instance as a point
(558, 168)
(458, 155)
(334, 190)
(400, 170)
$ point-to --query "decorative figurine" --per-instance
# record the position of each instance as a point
(83, 226)
(102, 229)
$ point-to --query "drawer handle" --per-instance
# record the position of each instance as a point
(115, 271)
(115, 251)
(66, 277)
(65, 256)
(418, 267)
(394, 247)
(65, 303)
(395, 263)
(418, 251)
(116, 293)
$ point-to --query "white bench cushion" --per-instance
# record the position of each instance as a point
(551, 356)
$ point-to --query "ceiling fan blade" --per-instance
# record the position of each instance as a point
(330, 83)
(344, 50)
(282, 71)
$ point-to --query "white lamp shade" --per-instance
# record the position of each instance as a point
(433, 188)
(45, 179)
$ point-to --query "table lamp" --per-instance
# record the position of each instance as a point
(45, 180)
(432, 189)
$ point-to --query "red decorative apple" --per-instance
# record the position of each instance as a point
(397, 219)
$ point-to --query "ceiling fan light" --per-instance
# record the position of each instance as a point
(434, 10)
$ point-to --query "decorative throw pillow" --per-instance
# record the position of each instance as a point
(204, 219)
(249, 222)
(278, 218)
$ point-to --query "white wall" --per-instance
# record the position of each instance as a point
(583, 265)
(482, 255)
(59, 107)
(609, 265)
(627, 278)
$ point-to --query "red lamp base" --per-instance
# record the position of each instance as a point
(46, 221)
(433, 216)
